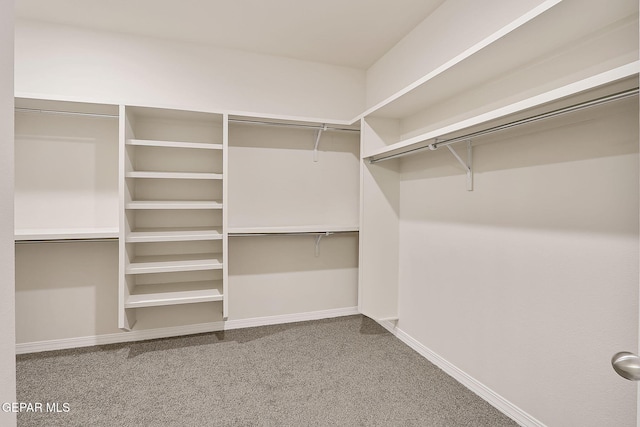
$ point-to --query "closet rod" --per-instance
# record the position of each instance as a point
(68, 113)
(542, 116)
(103, 239)
(294, 125)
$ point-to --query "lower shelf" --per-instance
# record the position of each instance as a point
(187, 293)
(174, 263)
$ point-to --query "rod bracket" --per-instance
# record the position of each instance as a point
(318, 238)
(468, 165)
(318, 135)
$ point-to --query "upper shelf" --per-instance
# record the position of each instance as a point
(569, 45)
(294, 229)
(619, 79)
(24, 235)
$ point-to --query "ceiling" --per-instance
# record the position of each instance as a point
(352, 33)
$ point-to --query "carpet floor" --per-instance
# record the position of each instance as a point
(346, 371)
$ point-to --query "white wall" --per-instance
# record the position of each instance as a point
(529, 284)
(454, 27)
(7, 316)
(66, 62)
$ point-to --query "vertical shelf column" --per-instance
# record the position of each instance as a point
(225, 215)
(379, 225)
(173, 240)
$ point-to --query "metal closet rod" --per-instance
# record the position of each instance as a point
(68, 113)
(293, 125)
(251, 122)
(527, 120)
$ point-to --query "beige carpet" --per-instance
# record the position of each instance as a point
(338, 372)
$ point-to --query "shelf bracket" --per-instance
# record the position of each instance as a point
(318, 238)
(315, 148)
(468, 165)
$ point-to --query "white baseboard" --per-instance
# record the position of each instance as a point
(141, 335)
(493, 398)
(290, 318)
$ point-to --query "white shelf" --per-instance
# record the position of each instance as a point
(174, 263)
(294, 229)
(173, 235)
(620, 74)
(174, 144)
(65, 234)
(178, 204)
(173, 175)
(497, 55)
(181, 293)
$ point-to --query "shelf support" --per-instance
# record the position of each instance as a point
(318, 238)
(468, 165)
(315, 148)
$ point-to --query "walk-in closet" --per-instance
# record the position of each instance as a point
(463, 174)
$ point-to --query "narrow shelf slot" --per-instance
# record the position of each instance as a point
(173, 235)
(174, 263)
(174, 144)
(176, 204)
(173, 175)
(175, 294)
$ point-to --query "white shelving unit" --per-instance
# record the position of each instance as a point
(173, 233)
(503, 80)
(606, 83)
(66, 170)
(293, 213)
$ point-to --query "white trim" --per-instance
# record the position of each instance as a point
(493, 398)
(141, 335)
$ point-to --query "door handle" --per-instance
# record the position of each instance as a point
(627, 365)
